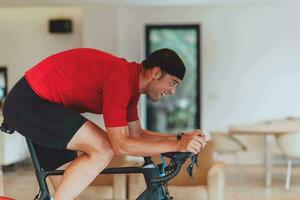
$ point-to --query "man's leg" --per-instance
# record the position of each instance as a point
(97, 153)
(56, 180)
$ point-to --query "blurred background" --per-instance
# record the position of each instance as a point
(242, 81)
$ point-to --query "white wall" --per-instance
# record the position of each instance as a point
(101, 27)
(24, 41)
(250, 62)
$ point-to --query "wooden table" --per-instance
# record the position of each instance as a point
(268, 129)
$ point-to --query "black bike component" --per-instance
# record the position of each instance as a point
(158, 185)
(181, 157)
(177, 159)
(147, 160)
(153, 191)
(194, 161)
(5, 128)
(40, 174)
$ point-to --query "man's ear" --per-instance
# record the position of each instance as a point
(156, 73)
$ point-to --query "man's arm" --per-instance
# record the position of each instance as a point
(124, 144)
(136, 130)
(132, 140)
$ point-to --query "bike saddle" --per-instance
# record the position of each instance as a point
(6, 128)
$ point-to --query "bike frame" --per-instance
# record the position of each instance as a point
(154, 191)
(156, 184)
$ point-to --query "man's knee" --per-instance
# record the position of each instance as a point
(103, 152)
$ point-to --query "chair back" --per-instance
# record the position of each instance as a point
(226, 143)
(289, 143)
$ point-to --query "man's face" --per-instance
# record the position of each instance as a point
(164, 85)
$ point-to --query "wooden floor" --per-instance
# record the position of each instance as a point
(242, 183)
(247, 183)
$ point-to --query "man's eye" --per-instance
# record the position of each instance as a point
(173, 83)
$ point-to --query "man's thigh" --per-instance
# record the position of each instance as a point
(89, 138)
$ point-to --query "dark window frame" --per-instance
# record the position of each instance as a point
(3, 70)
(197, 28)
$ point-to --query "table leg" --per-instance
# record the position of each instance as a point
(268, 160)
(1, 181)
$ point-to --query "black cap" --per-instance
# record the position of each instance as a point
(168, 60)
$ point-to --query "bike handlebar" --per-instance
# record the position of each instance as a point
(178, 159)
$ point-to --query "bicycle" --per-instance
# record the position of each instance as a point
(156, 176)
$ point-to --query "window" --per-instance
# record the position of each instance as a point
(3, 83)
(178, 112)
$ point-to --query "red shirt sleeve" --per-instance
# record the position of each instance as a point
(132, 110)
(118, 105)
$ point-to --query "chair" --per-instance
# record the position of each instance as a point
(207, 183)
(227, 144)
(290, 145)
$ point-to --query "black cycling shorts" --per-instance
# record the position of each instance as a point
(49, 125)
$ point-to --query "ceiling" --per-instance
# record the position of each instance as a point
(175, 2)
(4, 3)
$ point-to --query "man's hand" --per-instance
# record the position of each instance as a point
(192, 141)
(195, 132)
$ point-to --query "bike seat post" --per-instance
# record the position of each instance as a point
(41, 176)
(147, 160)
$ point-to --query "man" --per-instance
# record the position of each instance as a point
(45, 106)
